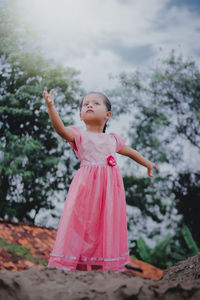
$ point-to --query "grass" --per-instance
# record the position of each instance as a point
(21, 251)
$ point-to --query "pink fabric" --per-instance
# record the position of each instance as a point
(93, 225)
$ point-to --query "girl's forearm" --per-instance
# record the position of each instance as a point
(55, 119)
(130, 152)
(139, 158)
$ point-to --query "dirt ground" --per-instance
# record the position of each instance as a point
(182, 281)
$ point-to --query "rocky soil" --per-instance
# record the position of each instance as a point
(182, 281)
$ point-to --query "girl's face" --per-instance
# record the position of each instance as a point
(94, 109)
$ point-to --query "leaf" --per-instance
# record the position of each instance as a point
(144, 250)
(160, 248)
(189, 240)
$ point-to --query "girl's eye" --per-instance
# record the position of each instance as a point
(96, 103)
(85, 104)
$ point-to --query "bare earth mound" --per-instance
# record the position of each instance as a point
(182, 281)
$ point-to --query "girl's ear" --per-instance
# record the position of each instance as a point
(109, 114)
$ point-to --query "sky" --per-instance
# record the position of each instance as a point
(105, 37)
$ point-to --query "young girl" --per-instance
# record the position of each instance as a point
(92, 232)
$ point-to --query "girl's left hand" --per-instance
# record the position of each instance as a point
(149, 171)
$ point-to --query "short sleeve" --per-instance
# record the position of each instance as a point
(120, 141)
(77, 137)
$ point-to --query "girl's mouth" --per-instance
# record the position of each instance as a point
(89, 110)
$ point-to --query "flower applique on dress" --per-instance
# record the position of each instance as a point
(111, 161)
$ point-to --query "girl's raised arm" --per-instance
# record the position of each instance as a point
(55, 119)
(135, 155)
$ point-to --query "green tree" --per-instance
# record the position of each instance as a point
(186, 188)
(164, 106)
(164, 111)
(34, 164)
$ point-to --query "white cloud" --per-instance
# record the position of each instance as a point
(110, 36)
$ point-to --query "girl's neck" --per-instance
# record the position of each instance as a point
(96, 129)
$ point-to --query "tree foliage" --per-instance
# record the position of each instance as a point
(33, 163)
(163, 106)
(186, 188)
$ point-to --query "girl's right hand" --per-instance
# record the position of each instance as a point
(150, 168)
(48, 97)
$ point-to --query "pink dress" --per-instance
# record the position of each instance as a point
(93, 226)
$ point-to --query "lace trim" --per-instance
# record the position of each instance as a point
(70, 269)
(91, 258)
(61, 268)
(90, 163)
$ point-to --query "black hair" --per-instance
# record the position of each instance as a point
(106, 102)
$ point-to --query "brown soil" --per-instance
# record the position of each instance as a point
(182, 281)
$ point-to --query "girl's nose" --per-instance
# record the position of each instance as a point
(89, 105)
